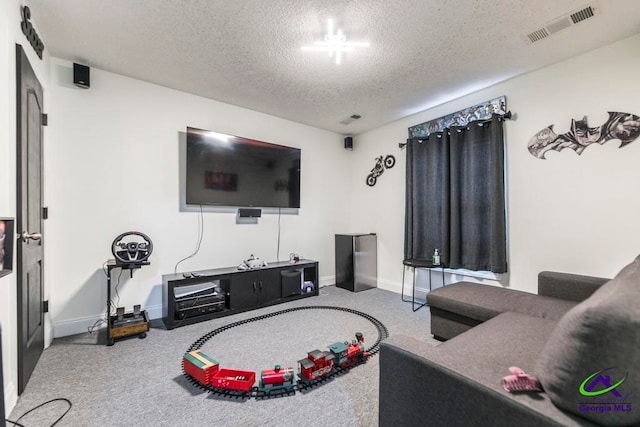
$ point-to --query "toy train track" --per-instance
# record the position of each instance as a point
(302, 387)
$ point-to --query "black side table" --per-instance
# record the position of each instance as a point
(416, 264)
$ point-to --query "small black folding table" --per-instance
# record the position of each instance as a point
(416, 264)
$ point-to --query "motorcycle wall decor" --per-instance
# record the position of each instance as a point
(382, 163)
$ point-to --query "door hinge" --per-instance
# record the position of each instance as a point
(45, 119)
(45, 212)
(45, 306)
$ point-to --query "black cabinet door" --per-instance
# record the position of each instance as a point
(253, 288)
(243, 292)
(269, 285)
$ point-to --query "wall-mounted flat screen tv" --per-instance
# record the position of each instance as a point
(227, 170)
(6, 246)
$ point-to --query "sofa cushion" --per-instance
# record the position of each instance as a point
(483, 302)
(486, 352)
(572, 287)
(593, 347)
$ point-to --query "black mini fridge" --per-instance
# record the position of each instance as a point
(356, 261)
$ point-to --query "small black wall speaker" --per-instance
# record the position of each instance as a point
(348, 143)
(249, 213)
(81, 76)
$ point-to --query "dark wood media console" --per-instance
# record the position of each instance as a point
(236, 290)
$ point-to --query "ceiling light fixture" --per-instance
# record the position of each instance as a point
(335, 43)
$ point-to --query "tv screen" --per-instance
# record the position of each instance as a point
(227, 170)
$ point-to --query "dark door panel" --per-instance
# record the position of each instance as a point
(29, 219)
(244, 290)
(269, 285)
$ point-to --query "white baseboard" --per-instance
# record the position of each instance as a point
(154, 311)
(460, 274)
(80, 324)
(48, 330)
(10, 398)
(396, 287)
(327, 281)
(386, 285)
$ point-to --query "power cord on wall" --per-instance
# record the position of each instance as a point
(112, 306)
(116, 289)
(201, 231)
(278, 252)
(96, 324)
(59, 399)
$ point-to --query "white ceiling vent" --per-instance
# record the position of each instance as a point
(583, 14)
(352, 118)
(561, 23)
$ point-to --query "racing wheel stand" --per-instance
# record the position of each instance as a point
(128, 256)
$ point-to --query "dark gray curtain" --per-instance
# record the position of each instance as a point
(455, 197)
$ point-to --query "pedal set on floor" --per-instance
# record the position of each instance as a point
(127, 324)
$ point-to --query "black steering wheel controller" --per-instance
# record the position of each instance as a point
(132, 252)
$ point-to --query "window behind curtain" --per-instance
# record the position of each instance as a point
(455, 198)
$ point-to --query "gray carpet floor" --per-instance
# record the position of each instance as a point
(140, 381)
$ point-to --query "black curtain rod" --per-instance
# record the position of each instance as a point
(505, 116)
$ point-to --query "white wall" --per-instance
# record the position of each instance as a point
(10, 34)
(567, 213)
(115, 167)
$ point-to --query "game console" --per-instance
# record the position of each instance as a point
(201, 300)
(252, 263)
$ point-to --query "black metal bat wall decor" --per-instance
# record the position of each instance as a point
(622, 126)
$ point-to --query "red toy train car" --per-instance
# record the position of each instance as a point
(321, 363)
(207, 371)
(317, 364)
(277, 378)
(234, 379)
(200, 366)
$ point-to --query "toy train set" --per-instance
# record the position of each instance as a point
(317, 367)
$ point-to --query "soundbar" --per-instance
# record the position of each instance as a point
(249, 213)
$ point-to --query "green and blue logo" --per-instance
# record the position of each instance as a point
(603, 392)
(587, 387)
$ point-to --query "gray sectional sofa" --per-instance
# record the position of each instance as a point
(462, 306)
(574, 327)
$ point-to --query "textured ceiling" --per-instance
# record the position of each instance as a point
(248, 52)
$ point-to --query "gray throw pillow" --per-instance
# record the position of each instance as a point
(590, 365)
